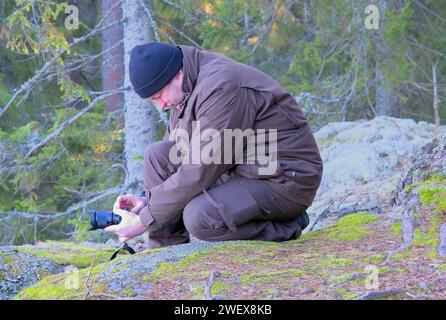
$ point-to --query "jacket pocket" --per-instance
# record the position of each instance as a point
(221, 210)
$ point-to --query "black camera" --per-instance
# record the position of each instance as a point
(103, 219)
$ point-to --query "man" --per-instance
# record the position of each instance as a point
(218, 200)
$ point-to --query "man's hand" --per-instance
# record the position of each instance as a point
(130, 201)
(130, 225)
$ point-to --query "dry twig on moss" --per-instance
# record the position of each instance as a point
(208, 289)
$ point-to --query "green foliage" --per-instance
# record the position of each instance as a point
(322, 47)
(24, 37)
(78, 164)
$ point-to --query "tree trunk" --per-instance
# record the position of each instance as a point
(436, 99)
(386, 94)
(139, 114)
(113, 60)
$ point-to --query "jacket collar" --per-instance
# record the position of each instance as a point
(191, 67)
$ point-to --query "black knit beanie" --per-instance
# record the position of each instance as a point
(152, 66)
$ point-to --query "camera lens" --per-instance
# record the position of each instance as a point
(102, 219)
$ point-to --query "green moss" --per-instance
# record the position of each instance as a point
(253, 245)
(405, 254)
(268, 255)
(151, 251)
(409, 189)
(429, 239)
(259, 278)
(174, 269)
(397, 229)
(344, 294)
(270, 293)
(261, 263)
(433, 191)
(350, 228)
(339, 279)
(198, 291)
(59, 287)
(43, 273)
(437, 179)
(375, 258)
(2, 276)
(326, 264)
(383, 270)
(7, 259)
(169, 269)
(52, 288)
(128, 292)
(332, 261)
(434, 196)
(442, 267)
(220, 288)
(327, 141)
(69, 254)
(50, 292)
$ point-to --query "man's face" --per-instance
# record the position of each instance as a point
(171, 94)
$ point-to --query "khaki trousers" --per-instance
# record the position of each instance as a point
(235, 208)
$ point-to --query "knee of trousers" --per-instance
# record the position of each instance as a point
(158, 152)
(199, 218)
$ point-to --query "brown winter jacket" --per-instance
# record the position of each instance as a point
(224, 94)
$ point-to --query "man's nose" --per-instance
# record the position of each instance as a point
(162, 103)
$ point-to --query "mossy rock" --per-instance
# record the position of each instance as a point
(22, 266)
(125, 277)
(67, 253)
(19, 270)
(332, 263)
(432, 207)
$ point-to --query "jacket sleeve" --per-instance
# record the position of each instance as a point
(221, 110)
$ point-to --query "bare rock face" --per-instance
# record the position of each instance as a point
(363, 162)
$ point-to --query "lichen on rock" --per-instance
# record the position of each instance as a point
(363, 162)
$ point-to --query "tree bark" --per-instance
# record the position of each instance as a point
(386, 94)
(436, 99)
(113, 60)
(139, 114)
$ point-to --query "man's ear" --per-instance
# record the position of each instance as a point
(179, 73)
